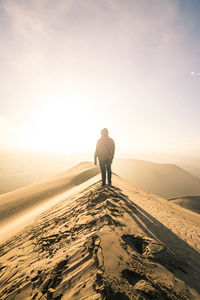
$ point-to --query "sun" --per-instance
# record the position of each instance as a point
(67, 124)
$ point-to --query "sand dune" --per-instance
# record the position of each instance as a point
(114, 242)
(22, 168)
(18, 170)
(189, 202)
(16, 202)
(165, 180)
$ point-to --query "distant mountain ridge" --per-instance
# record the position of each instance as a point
(18, 169)
(165, 180)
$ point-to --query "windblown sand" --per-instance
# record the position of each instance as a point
(112, 242)
(15, 203)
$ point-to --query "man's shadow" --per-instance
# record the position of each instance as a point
(187, 258)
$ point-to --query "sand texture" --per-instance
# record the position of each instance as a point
(16, 202)
(112, 242)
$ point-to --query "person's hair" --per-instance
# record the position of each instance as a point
(104, 132)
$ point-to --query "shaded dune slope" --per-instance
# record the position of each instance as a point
(17, 201)
(102, 245)
(165, 180)
(189, 202)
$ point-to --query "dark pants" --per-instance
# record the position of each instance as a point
(105, 166)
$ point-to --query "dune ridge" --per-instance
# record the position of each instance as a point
(113, 242)
(165, 180)
(17, 202)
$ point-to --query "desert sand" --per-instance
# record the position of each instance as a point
(189, 202)
(15, 203)
(112, 242)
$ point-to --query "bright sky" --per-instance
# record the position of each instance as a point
(69, 68)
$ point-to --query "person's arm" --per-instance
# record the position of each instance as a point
(113, 149)
(96, 154)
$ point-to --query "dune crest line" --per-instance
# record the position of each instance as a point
(102, 245)
(16, 202)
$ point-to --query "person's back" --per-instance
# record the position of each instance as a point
(105, 150)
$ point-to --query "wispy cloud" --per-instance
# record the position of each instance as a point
(195, 73)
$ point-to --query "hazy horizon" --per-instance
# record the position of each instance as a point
(70, 68)
(22, 168)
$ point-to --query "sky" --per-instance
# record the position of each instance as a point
(69, 68)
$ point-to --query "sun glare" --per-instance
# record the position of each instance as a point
(64, 125)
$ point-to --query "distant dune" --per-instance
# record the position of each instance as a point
(22, 168)
(18, 201)
(112, 242)
(189, 202)
(165, 180)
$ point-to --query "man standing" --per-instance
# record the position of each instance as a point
(105, 150)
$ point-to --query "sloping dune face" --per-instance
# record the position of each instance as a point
(103, 244)
(165, 180)
(189, 202)
(16, 202)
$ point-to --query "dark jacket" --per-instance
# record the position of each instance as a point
(105, 148)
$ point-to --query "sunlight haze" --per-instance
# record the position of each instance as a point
(70, 68)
